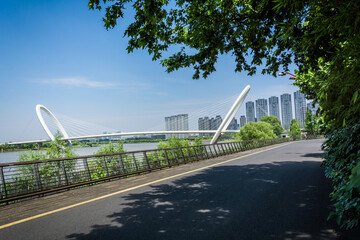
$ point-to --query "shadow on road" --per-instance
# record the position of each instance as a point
(312, 155)
(285, 200)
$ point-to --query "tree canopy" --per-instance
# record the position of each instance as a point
(294, 129)
(258, 130)
(275, 122)
(268, 33)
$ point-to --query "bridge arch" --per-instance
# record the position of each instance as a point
(40, 107)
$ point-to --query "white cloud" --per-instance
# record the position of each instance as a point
(79, 82)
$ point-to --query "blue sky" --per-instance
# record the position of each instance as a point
(58, 53)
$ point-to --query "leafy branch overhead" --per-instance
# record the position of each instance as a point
(197, 32)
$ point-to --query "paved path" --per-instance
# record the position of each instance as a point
(277, 192)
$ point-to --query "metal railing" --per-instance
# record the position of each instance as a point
(27, 179)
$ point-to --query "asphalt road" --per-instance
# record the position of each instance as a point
(278, 192)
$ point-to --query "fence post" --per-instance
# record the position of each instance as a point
(87, 170)
(222, 147)
(195, 154)
(3, 181)
(175, 158)
(106, 168)
(121, 163)
(189, 153)
(219, 150)
(216, 154)
(240, 146)
(146, 159)
(37, 176)
(182, 154)
(247, 146)
(65, 174)
(231, 147)
(235, 147)
(212, 155)
(134, 159)
(157, 159)
(166, 156)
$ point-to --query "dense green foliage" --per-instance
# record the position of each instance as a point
(56, 149)
(111, 148)
(314, 124)
(277, 31)
(180, 153)
(258, 130)
(102, 163)
(275, 122)
(341, 157)
(48, 170)
(11, 148)
(311, 125)
(178, 142)
(338, 96)
(321, 37)
(294, 129)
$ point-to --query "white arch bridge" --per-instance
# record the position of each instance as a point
(217, 133)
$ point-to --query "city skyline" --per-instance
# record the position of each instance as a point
(299, 108)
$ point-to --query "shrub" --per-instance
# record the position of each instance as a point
(342, 159)
(275, 122)
(51, 173)
(254, 131)
(294, 129)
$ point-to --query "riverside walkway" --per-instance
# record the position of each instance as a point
(275, 192)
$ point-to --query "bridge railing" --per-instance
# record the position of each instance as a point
(27, 179)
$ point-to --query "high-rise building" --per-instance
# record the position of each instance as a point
(177, 123)
(233, 125)
(216, 122)
(202, 125)
(286, 110)
(250, 112)
(300, 107)
(242, 121)
(274, 107)
(206, 123)
(261, 108)
(313, 107)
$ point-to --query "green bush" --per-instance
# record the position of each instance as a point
(295, 131)
(178, 154)
(112, 162)
(275, 122)
(254, 131)
(50, 172)
(342, 159)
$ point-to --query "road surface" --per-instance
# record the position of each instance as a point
(276, 192)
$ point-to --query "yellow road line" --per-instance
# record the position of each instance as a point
(129, 189)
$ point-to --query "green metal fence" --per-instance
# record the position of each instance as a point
(27, 179)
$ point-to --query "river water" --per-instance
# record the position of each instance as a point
(13, 156)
